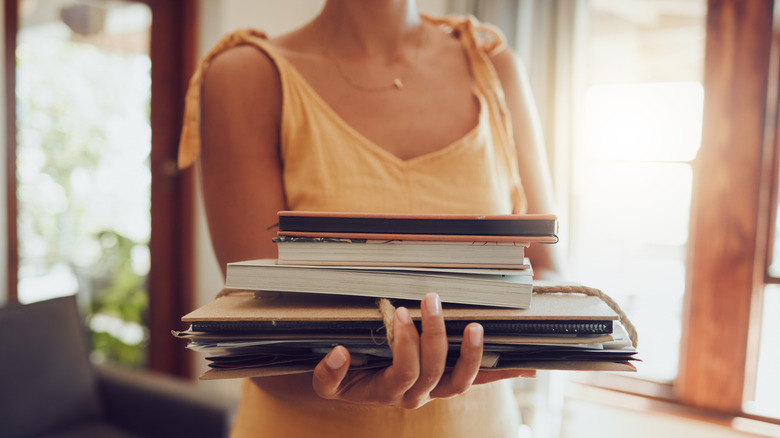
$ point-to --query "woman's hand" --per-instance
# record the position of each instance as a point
(417, 374)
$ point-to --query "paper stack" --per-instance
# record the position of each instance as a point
(282, 316)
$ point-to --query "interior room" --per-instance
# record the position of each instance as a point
(661, 130)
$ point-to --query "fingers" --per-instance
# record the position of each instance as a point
(418, 372)
(465, 371)
(405, 370)
(433, 351)
(330, 372)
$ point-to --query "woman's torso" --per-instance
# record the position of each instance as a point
(439, 145)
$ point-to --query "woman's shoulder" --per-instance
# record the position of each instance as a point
(241, 84)
(239, 66)
(233, 74)
(254, 48)
(240, 48)
(242, 58)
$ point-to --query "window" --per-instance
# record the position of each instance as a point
(764, 395)
(727, 342)
(631, 180)
(656, 117)
(163, 195)
(729, 226)
(83, 178)
(670, 122)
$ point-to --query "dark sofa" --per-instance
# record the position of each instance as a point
(49, 387)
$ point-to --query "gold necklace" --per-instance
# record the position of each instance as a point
(396, 84)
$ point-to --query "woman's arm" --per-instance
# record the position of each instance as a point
(240, 167)
(531, 156)
(240, 164)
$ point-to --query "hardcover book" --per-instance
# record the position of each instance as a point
(467, 228)
(420, 253)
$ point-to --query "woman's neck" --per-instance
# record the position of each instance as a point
(373, 28)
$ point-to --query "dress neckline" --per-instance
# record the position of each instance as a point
(467, 138)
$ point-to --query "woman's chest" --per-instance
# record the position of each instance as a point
(435, 107)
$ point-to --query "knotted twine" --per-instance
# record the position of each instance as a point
(387, 309)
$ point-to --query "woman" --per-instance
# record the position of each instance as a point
(369, 107)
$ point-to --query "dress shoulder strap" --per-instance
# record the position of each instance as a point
(481, 41)
(189, 141)
(488, 38)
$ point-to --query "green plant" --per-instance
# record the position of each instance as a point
(120, 301)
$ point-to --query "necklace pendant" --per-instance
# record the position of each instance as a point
(397, 83)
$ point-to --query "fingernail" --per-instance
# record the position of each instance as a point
(475, 334)
(336, 359)
(433, 303)
(402, 313)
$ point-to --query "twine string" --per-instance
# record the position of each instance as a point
(622, 317)
(387, 309)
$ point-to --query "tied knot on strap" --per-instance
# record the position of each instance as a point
(387, 309)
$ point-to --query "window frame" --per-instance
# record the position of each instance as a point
(736, 84)
(738, 162)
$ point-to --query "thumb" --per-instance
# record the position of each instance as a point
(330, 372)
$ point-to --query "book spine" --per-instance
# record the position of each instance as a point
(390, 225)
(428, 237)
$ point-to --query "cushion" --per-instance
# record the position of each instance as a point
(93, 429)
(47, 380)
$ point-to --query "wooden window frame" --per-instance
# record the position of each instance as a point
(733, 204)
(170, 282)
(727, 247)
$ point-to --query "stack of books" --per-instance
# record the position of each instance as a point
(279, 316)
(465, 259)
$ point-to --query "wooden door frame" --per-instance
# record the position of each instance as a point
(11, 26)
(171, 277)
